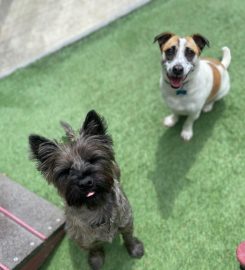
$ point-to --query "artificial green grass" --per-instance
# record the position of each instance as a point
(188, 198)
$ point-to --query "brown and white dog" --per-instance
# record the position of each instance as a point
(190, 84)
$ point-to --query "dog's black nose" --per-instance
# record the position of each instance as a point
(178, 70)
(86, 182)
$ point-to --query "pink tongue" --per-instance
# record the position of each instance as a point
(90, 194)
(176, 82)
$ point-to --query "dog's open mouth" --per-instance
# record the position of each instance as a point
(90, 194)
(176, 82)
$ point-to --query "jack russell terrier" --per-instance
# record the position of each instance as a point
(190, 84)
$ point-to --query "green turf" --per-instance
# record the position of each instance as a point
(188, 198)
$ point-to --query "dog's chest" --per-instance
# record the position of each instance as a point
(88, 227)
(186, 101)
(182, 104)
(194, 94)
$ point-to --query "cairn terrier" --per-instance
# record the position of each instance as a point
(86, 175)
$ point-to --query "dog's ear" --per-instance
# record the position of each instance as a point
(94, 124)
(43, 151)
(200, 41)
(70, 133)
(163, 38)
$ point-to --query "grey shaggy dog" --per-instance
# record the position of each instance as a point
(86, 175)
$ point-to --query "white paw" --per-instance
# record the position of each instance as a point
(186, 134)
(170, 121)
(208, 107)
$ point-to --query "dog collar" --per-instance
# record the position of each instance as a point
(181, 92)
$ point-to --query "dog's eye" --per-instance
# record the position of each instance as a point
(189, 54)
(63, 173)
(170, 53)
(93, 160)
(71, 171)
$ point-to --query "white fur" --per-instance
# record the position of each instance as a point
(226, 57)
(199, 84)
(179, 59)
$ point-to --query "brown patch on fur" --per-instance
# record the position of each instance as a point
(213, 61)
(173, 41)
(216, 82)
(192, 45)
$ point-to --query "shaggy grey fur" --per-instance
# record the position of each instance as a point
(101, 225)
(86, 175)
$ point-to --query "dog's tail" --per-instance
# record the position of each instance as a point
(226, 60)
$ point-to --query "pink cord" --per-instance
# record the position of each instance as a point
(23, 224)
(3, 267)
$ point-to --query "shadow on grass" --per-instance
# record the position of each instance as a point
(116, 256)
(174, 158)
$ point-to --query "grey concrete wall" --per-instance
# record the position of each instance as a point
(31, 29)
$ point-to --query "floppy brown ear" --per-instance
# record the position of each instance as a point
(163, 38)
(200, 41)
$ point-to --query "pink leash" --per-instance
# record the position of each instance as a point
(22, 224)
(3, 267)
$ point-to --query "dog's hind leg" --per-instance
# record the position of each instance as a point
(208, 107)
(133, 245)
(96, 257)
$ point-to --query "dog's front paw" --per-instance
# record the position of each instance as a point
(170, 121)
(186, 134)
(135, 248)
(96, 259)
